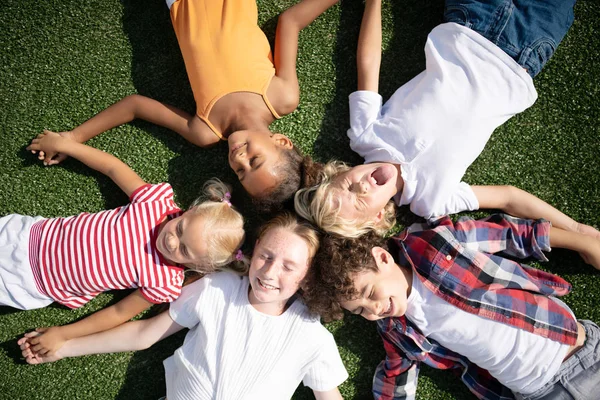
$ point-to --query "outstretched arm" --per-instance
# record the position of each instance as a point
(519, 203)
(131, 336)
(284, 91)
(586, 246)
(368, 54)
(52, 143)
(51, 339)
(141, 107)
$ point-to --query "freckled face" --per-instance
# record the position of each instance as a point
(279, 263)
(179, 240)
(365, 190)
(253, 157)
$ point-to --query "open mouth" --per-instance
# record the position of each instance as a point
(266, 285)
(388, 311)
(382, 175)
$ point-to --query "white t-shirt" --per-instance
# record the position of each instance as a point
(438, 123)
(233, 351)
(520, 360)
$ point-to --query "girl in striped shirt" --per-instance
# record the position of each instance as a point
(145, 245)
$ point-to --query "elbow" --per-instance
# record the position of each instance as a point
(287, 20)
(289, 101)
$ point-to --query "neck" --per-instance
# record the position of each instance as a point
(399, 180)
(407, 273)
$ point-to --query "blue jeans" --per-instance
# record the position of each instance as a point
(527, 30)
(578, 376)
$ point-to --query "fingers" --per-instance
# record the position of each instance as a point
(39, 350)
(35, 333)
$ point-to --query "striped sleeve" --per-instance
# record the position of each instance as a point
(168, 292)
(501, 233)
(152, 192)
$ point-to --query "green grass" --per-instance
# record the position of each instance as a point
(63, 61)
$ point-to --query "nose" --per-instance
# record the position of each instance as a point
(269, 270)
(359, 187)
(171, 242)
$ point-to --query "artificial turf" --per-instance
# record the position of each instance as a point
(63, 61)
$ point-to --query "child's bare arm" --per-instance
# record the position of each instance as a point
(333, 394)
(51, 339)
(142, 107)
(368, 55)
(131, 336)
(519, 203)
(284, 91)
(586, 246)
(52, 143)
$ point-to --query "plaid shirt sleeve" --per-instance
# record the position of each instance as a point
(501, 233)
(396, 376)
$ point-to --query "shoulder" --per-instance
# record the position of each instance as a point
(152, 192)
(226, 282)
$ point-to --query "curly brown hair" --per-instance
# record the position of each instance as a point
(329, 281)
(295, 170)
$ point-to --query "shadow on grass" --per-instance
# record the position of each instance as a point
(403, 59)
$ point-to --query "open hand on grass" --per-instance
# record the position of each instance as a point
(48, 341)
(45, 146)
(32, 357)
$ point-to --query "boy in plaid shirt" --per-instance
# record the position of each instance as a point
(447, 296)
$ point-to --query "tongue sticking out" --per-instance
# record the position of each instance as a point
(382, 175)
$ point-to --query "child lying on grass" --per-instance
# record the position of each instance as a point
(445, 295)
(418, 145)
(145, 245)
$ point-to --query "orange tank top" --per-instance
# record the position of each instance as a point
(224, 51)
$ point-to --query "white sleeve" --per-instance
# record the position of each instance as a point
(462, 198)
(364, 109)
(184, 310)
(327, 371)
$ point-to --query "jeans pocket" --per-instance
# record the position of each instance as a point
(457, 14)
(534, 57)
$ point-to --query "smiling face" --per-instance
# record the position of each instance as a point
(382, 293)
(179, 240)
(279, 263)
(253, 157)
(364, 191)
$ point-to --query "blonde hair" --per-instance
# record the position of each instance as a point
(290, 222)
(226, 227)
(317, 204)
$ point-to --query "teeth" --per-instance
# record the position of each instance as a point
(267, 286)
(389, 309)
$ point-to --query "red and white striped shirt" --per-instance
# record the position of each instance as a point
(76, 258)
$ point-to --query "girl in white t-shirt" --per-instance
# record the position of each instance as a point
(418, 145)
(145, 245)
(250, 337)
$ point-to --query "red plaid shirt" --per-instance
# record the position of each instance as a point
(461, 262)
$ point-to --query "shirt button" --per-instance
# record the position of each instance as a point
(448, 257)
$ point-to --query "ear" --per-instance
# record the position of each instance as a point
(382, 257)
(282, 141)
(380, 215)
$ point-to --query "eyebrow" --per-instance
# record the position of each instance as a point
(254, 169)
(361, 296)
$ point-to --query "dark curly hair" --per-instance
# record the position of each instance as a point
(329, 281)
(295, 170)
